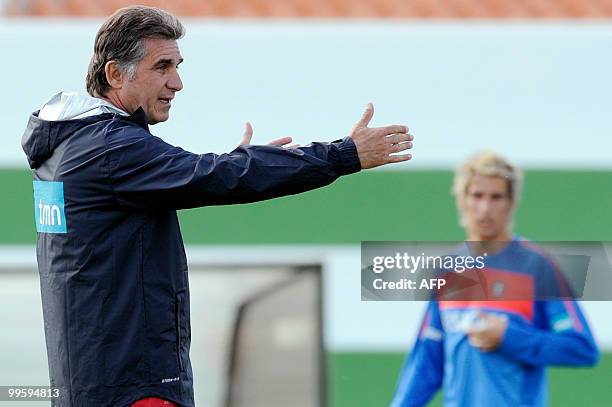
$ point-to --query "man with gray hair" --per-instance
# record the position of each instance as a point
(112, 265)
(492, 349)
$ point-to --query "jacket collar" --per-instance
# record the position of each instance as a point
(140, 118)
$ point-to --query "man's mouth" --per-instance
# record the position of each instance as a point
(165, 101)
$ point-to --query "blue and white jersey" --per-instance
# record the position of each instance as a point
(539, 333)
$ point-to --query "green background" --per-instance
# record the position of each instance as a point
(382, 205)
(368, 380)
(375, 205)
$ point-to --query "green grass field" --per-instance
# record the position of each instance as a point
(368, 380)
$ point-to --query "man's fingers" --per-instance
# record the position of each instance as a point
(366, 116)
(391, 129)
(478, 340)
(247, 135)
(399, 138)
(396, 148)
(400, 158)
(474, 341)
(473, 332)
(280, 141)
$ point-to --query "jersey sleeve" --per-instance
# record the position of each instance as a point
(560, 335)
(147, 172)
(422, 372)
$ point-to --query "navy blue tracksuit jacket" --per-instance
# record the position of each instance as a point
(113, 270)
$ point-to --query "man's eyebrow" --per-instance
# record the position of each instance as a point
(168, 61)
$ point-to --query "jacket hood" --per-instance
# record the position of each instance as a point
(62, 115)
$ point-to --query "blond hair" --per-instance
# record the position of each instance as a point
(490, 164)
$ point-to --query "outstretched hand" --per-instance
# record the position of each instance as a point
(248, 135)
(375, 145)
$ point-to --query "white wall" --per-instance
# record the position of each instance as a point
(350, 324)
(539, 92)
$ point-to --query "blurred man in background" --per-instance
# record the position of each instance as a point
(110, 253)
(494, 353)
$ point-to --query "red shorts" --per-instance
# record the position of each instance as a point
(153, 402)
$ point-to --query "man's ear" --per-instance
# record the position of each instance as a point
(114, 76)
(460, 203)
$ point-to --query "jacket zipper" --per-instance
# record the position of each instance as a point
(178, 332)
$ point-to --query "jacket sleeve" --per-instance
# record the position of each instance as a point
(422, 373)
(147, 172)
(560, 335)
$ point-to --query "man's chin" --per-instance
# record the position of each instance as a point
(489, 236)
(485, 234)
(158, 118)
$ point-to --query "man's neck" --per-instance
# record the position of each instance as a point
(115, 101)
(490, 246)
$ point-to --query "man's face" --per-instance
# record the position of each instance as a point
(156, 80)
(486, 209)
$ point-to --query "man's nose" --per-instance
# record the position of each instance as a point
(484, 206)
(175, 82)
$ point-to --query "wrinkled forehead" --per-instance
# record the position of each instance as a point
(157, 49)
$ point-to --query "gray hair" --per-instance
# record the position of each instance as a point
(122, 39)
